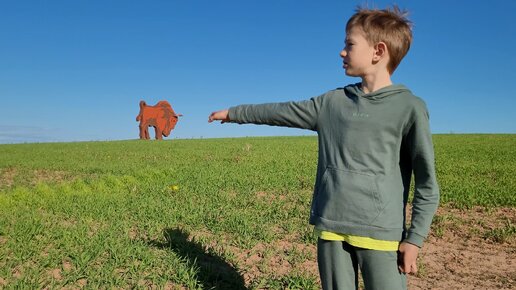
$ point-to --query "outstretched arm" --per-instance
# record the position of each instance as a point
(294, 114)
(302, 115)
(222, 115)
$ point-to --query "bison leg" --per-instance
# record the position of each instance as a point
(158, 133)
(143, 131)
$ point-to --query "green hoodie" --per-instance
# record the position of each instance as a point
(369, 146)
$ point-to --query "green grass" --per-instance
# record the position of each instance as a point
(503, 234)
(476, 169)
(104, 214)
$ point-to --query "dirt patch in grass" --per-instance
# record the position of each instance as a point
(42, 175)
(7, 176)
(67, 266)
(458, 254)
(277, 259)
(461, 254)
(55, 274)
(10, 177)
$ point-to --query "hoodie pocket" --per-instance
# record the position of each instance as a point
(348, 196)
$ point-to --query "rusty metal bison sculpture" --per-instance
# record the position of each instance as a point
(161, 116)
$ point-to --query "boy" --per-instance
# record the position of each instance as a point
(372, 136)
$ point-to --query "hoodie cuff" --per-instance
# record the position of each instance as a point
(232, 115)
(415, 239)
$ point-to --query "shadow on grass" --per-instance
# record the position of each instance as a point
(213, 271)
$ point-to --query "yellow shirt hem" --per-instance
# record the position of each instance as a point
(358, 241)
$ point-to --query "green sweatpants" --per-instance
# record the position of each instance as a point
(339, 263)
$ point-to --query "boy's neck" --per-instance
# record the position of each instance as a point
(372, 83)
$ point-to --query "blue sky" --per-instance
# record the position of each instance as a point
(91, 62)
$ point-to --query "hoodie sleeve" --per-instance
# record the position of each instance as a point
(426, 193)
(301, 114)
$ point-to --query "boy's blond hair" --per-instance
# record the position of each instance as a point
(389, 26)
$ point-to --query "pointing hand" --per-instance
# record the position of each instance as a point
(222, 116)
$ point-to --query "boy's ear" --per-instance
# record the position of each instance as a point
(380, 51)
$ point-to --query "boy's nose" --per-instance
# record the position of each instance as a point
(343, 53)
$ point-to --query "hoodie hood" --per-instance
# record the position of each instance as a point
(356, 90)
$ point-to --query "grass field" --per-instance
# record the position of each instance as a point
(194, 214)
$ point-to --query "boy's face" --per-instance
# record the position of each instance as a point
(358, 54)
